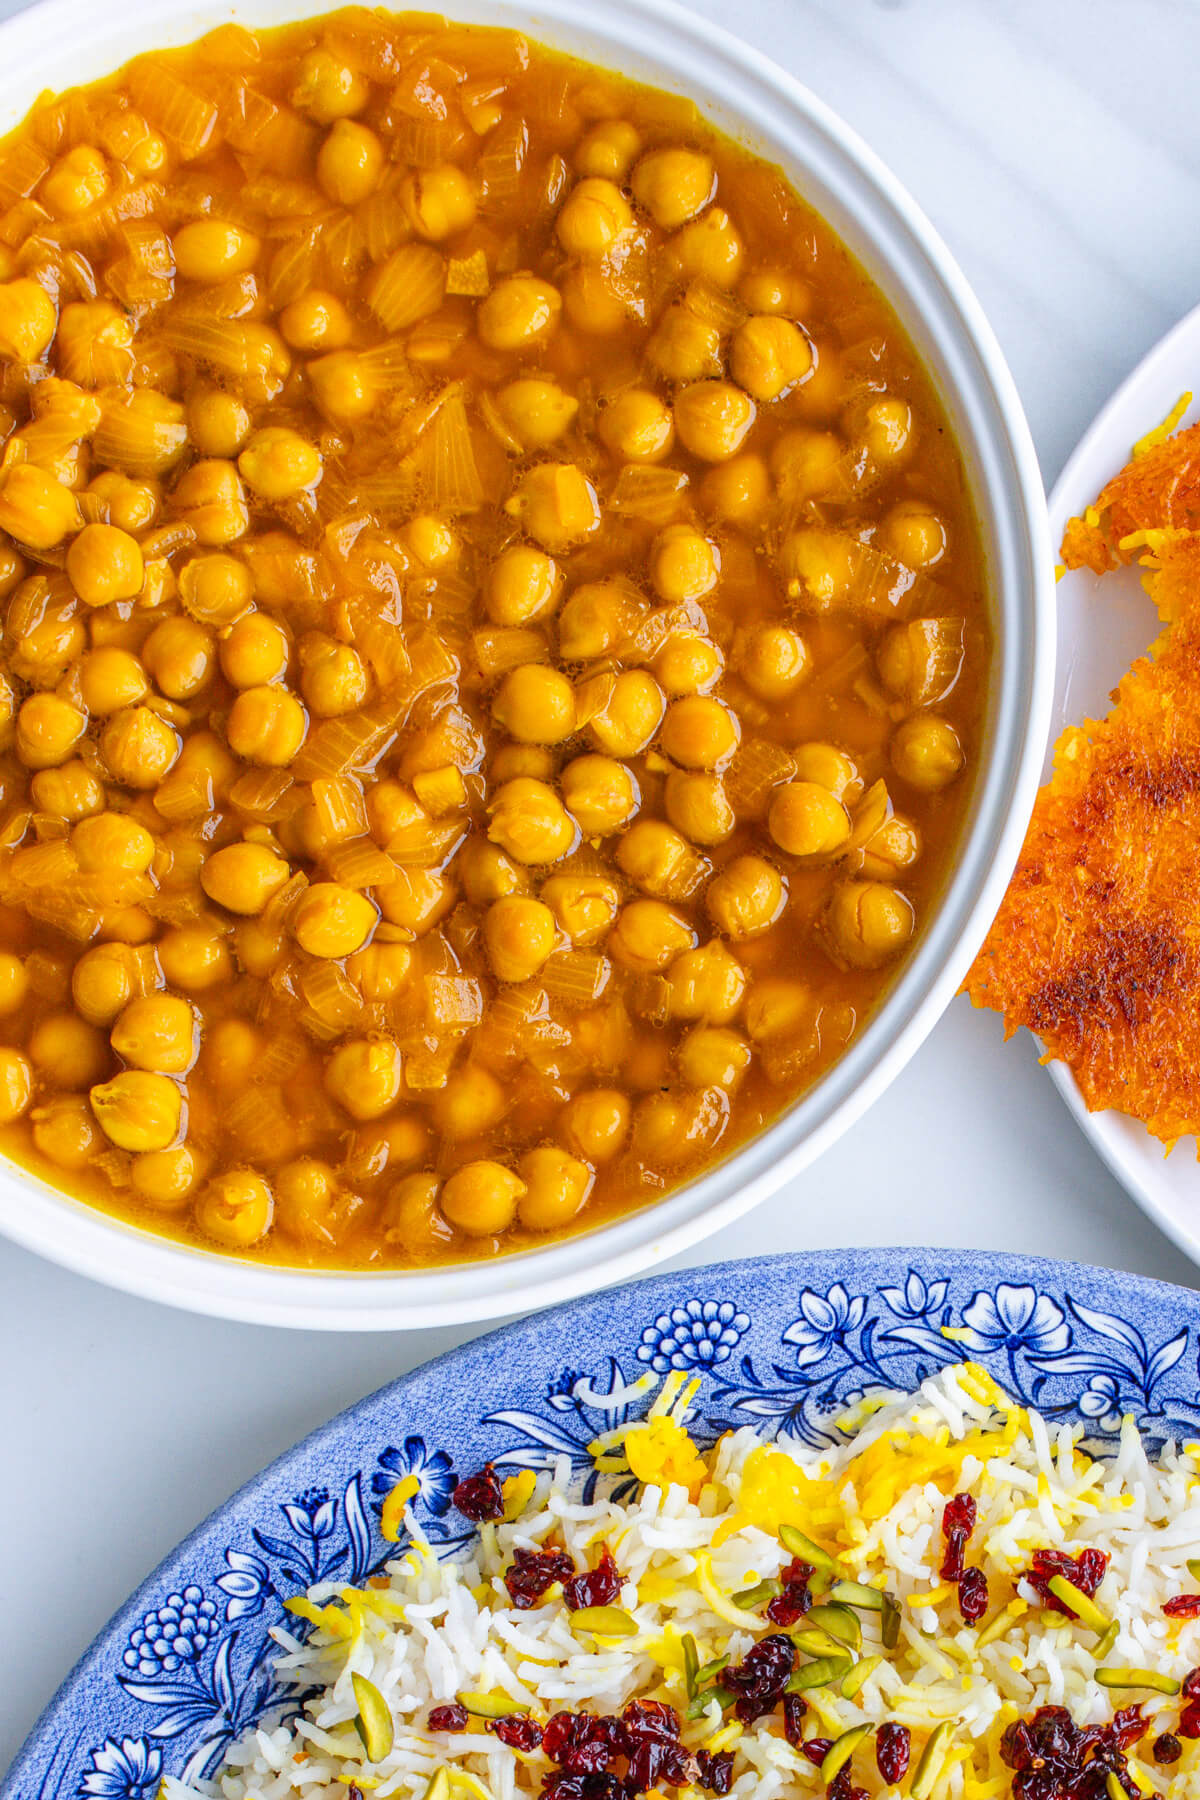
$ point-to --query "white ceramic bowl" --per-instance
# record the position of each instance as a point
(62, 42)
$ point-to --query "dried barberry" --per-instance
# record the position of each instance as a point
(842, 1787)
(656, 1757)
(518, 1732)
(958, 1522)
(1183, 1606)
(532, 1572)
(893, 1747)
(479, 1497)
(795, 1599)
(595, 1587)
(452, 1717)
(972, 1595)
(794, 1708)
(1085, 1571)
(561, 1785)
(1189, 1720)
(714, 1770)
(759, 1681)
(817, 1749)
(1055, 1759)
(1167, 1748)
(584, 1743)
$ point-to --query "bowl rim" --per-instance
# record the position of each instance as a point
(1009, 501)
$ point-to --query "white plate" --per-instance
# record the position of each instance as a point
(1104, 623)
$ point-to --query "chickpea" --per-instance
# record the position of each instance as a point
(48, 729)
(894, 847)
(343, 385)
(16, 1085)
(519, 311)
(211, 249)
(596, 1123)
(830, 768)
(380, 971)
(683, 564)
(69, 792)
(520, 933)
(278, 463)
(232, 1051)
(593, 217)
(349, 162)
(671, 1128)
(698, 806)
(601, 793)
(738, 491)
(487, 873)
(243, 877)
(157, 1031)
(103, 982)
(64, 1131)
(332, 921)
(105, 564)
(688, 664)
(364, 1076)
(584, 905)
(713, 419)
(529, 821)
(138, 1110)
(779, 1008)
(417, 900)
(127, 925)
(109, 679)
(685, 348)
(333, 676)
(654, 856)
(888, 430)
(316, 321)
(535, 705)
(110, 840)
(328, 88)
(708, 249)
(27, 320)
(179, 656)
(774, 661)
(594, 619)
(389, 1144)
(138, 747)
(523, 584)
(194, 957)
(472, 1101)
(714, 1056)
(77, 181)
(438, 202)
(132, 505)
(14, 983)
(914, 534)
(480, 1198)
(592, 303)
(638, 426)
(557, 505)
(557, 1186)
(255, 651)
(266, 725)
(707, 984)
(67, 1051)
(674, 185)
(648, 935)
(218, 423)
(260, 946)
(768, 356)
(306, 1192)
(409, 1217)
(746, 897)
(433, 541)
(868, 922)
(165, 1179)
(700, 732)
(920, 662)
(608, 149)
(216, 589)
(806, 820)
(236, 1209)
(629, 720)
(211, 499)
(35, 508)
(536, 411)
(925, 752)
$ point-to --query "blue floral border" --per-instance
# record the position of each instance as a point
(783, 1343)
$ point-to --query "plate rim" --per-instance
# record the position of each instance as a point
(656, 1292)
(1132, 1163)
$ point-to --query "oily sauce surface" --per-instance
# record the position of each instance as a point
(494, 643)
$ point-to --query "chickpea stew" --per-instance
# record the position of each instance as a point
(494, 643)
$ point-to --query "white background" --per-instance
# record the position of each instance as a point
(1056, 145)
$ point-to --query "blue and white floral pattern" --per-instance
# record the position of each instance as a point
(785, 1344)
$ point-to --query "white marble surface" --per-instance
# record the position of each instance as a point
(1056, 144)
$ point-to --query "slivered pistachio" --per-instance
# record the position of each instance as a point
(1193, 1567)
(841, 1750)
(1114, 1787)
(890, 1623)
(1081, 1604)
(839, 1622)
(605, 1621)
(994, 1628)
(1120, 1680)
(758, 1595)
(705, 1698)
(491, 1706)
(691, 1663)
(802, 1546)
(817, 1643)
(439, 1786)
(709, 1669)
(853, 1593)
(373, 1721)
(933, 1756)
(859, 1674)
(1107, 1643)
(819, 1673)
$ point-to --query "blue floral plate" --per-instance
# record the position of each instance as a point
(783, 1342)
